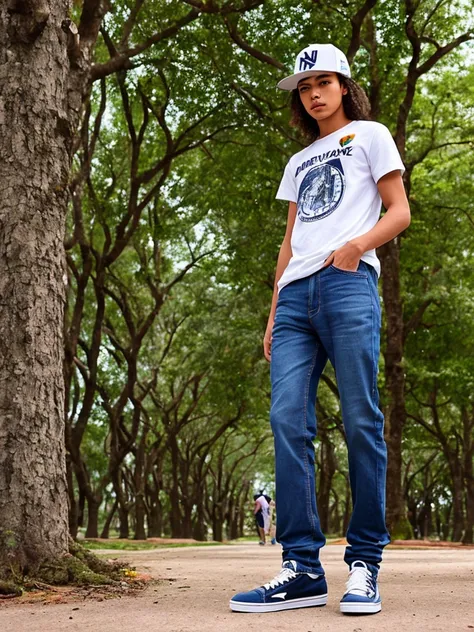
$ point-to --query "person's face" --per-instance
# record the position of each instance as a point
(321, 95)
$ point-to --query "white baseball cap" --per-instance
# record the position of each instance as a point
(312, 60)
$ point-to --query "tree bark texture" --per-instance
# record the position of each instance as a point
(34, 165)
(139, 489)
(106, 528)
(93, 506)
(73, 510)
(153, 487)
(327, 470)
(468, 434)
(395, 412)
(155, 520)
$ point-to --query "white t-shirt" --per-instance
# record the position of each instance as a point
(334, 183)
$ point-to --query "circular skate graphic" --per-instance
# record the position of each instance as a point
(321, 191)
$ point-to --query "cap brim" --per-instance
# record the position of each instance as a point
(291, 82)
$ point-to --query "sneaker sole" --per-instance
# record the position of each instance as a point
(360, 608)
(304, 602)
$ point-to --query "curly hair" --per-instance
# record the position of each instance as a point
(355, 103)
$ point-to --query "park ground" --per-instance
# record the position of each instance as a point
(422, 590)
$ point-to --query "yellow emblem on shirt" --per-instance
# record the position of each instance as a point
(345, 140)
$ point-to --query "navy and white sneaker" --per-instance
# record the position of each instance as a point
(289, 589)
(362, 593)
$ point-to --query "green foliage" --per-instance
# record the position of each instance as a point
(215, 140)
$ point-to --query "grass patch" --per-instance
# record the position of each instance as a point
(118, 546)
(131, 545)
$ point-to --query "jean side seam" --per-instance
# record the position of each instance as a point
(374, 387)
(305, 453)
(310, 292)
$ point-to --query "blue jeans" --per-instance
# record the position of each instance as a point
(331, 314)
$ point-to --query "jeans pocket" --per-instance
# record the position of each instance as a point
(356, 273)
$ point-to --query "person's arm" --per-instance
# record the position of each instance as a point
(257, 508)
(283, 260)
(395, 220)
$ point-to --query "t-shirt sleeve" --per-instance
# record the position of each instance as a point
(287, 188)
(383, 154)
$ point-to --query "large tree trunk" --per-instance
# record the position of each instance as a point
(468, 537)
(123, 507)
(124, 528)
(234, 521)
(412, 515)
(140, 513)
(106, 528)
(347, 508)
(217, 530)
(187, 528)
(458, 514)
(175, 515)
(468, 426)
(93, 506)
(447, 522)
(395, 412)
(199, 526)
(326, 474)
(139, 484)
(243, 501)
(242, 515)
(81, 506)
(334, 516)
(34, 163)
(155, 520)
(72, 503)
(155, 515)
(426, 518)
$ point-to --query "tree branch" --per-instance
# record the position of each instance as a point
(93, 12)
(356, 25)
(239, 40)
(442, 51)
(130, 23)
(415, 319)
(122, 60)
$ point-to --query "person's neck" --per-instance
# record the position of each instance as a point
(333, 123)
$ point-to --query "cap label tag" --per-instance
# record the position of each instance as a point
(308, 61)
(343, 66)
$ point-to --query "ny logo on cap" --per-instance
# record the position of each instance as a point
(308, 61)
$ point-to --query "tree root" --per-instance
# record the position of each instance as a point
(79, 567)
(9, 589)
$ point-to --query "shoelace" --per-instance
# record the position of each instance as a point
(360, 581)
(283, 576)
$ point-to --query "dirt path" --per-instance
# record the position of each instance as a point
(427, 590)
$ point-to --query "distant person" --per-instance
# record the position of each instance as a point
(271, 531)
(262, 516)
(326, 306)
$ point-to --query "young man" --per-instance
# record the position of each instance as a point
(326, 306)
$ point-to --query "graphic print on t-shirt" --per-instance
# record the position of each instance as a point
(321, 191)
(345, 140)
